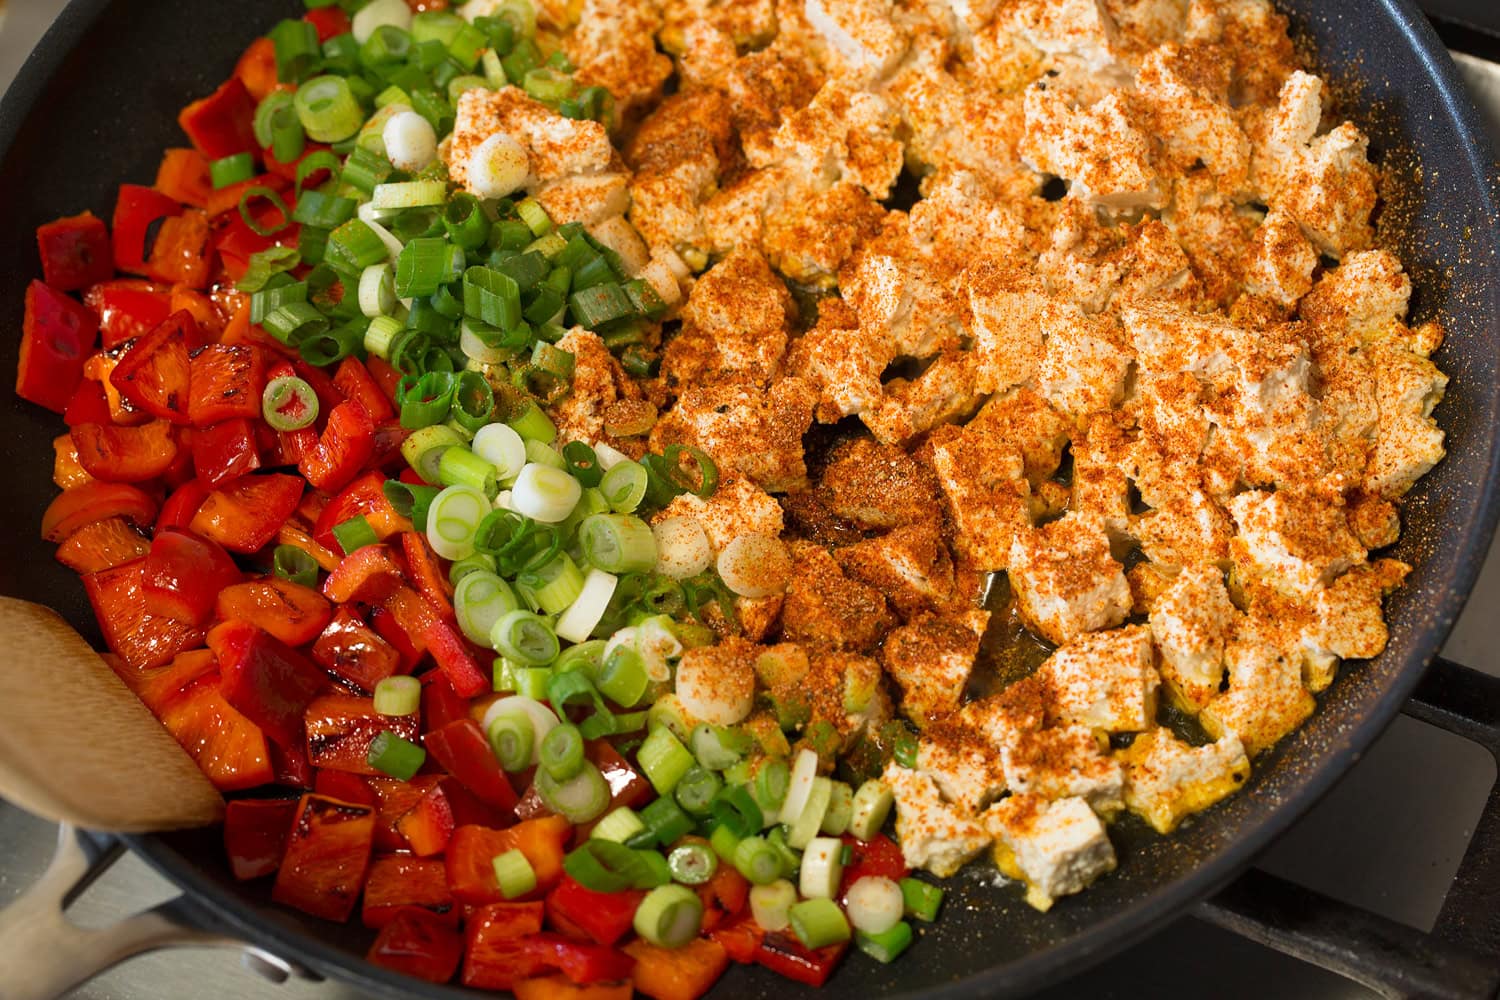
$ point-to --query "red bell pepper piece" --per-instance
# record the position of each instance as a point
(340, 728)
(243, 516)
(783, 954)
(398, 882)
(87, 405)
(141, 638)
(469, 810)
(426, 572)
(471, 851)
(418, 944)
(581, 962)
(879, 856)
(158, 687)
(182, 251)
(153, 374)
(179, 509)
(328, 22)
(366, 574)
(684, 973)
(102, 545)
(347, 787)
(57, 335)
(271, 683)
(228, 747)
(464, 752)
(256, 69)
(443, 640)
(227, 382)
(365, 497)
(255, 835)
(184, 574)
(330, 396)
(740, 938)
(411, 650)
(223, 123)
(441, 705)
(225, 451)
(343, 449)
(289, 611)
(82, 505)
(559, 987)
(128, 308)
(125, 454)
(386, 376)
(355, 382)
(724, 896)
(395, 798)
(495, 954)
(76, 252)
(429, 824)
(354, 652)
(139, 212)
(605, 917)
(290, 766)
(184, 176)
(66, 470)
(326, 857)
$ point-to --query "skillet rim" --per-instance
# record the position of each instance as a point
(1128, 924)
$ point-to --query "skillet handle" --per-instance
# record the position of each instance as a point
(43, 954)
(1460, 959)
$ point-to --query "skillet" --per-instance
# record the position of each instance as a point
(95, 105)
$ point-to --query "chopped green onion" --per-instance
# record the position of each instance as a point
(791, 860)
(477, 563)
(600, 304)
(871, 805)
(545, 494)
(619, 826)
(724, 843)
(292, 563)
(708, 471)
(624, 486)
(391, 755)
(543, 454)
(453, 519)
(840, 809)
(533, 424)
(512, 735)
(465, 221)
(357, 246)
(514, 874)
(822, 868)
(535, 217)
(583, 465)
(664, 760)
(581, 798)
(623, 678)
(692, 863)
(426, 400)
(289, 404)
(266, 265)
(473, 402)
(602, 865)
(735, 808)
(355, 533)
(818, 923)
(423, 451)
(670, 916)
(480, 599)
(422, 268)
(247, 198)
(771, 904)
(231, 170)
(295, 322)
(666, 823)
(562, 752)
(525, 638)
(885, 947)
(714, 748)
(771, 784)
(382, 334)
(324, 211)
(409, 194)
(297, 49)
(757, 861)
(696, 791)
(365, 169)
(922, 901)
(316, 163)
(503, 448)
(492, 297)
(461, 466)
(807, 824)
(377, 290)
(532, 681)
(582, 618)
(327, 109)
(398, 696)
(555, 586)
(276, 107)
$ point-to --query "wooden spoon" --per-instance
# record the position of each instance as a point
(76, 746)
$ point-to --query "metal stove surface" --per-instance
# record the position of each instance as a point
(1388, 838)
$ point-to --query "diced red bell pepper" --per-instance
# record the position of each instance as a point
(128, 308)
(243, 516)
(271, 683)
(348, 787)
(76, 252)
(223, 123)
(581, 962)
(740, 939)
(87, 405)
(365, 497)
(289, 611)
(139, 213)
(471, 851)
(783, 954)
(225, 451)
(328, 22)
(386, 376)
(684, 973)
(158, 687)
(227, 382)
(153, 374)
(139, 637)
(464, 752)
(326, 858)
(340, 728)
(351, 650)
(879, 856)
(67, 471)
(356, 383)
(256, 69)
(202, 307)
(267, 215)
(426, 572)
(182, 251)
(81, 505)
(429, 824)
(468, 810)
(184, 176)
(255, 835)
(397, 882)
(179, 509)
(125, 454)
(102, 545)
(418, 944)
(290, 765)
(183, 576)
(330, 396)
(57, 335)
(495, 954)
(411, 649)
(343, 448)
(366, 574)
(441, 705)
(229, 748)
(605, 917)
(395, 798)
(441, 636)
(724, 896)
(562, 988)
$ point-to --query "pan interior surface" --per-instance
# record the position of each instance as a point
(97, 103)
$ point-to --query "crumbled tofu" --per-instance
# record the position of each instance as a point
(943, 394)
(598, 383)
(1347, 622)
(1084, 365)
(954, 127)
(1187, 93)
(1364, 298)
(758, 616)
(1058, 848)
(967, 771)
(557, 147)
(1063, 761)
(877, 486)
(735, 215)
(744, 428)
(589, 199)
(1078, 29)
(1100, 489)
(1191, 620)
(1281, 261)
(1168, 339)
(930, 659)
(844, 134)
(734, 323)
(1029, 422)
(678, 153)
(737, 507)
(613, 46)
(911, 565)
(932, 833)
(1187, 529)
(898, 290)
(1296, 540)
(1106, 681)
(1408, 442)
(825, 606)
(1065, 580)
(1266, 698)
(1167, 780)
(862, 37)
(983, 480)
(1098, 149)
(1006, 302)
(810, 245)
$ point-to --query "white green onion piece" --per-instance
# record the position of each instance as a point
(872, 805)
(718, 691)
(398, 696)
(770, 904)
(545, 494)
(542, 719)
(379, 13)
(804, 829)
(410, 142)
(682, 548)
(393, 247)
(840, 809)
(498, 167)
(377, 292)
(382, 333)
(480, 600)
(670, 916)
(608, 456)
(402, 195)
(453, 519)
(659, 647)
(799, 787)
(755, 565)
(577, 623)
(875, 904)
(819, 923)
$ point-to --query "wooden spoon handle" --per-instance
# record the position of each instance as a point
(76, 746)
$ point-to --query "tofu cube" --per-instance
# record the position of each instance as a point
(1191, 622)
(825, 606)
(910, 565)
(1105, 681)
(1294, 540)
(1167, 780)
(931, 659)
(983, 480)
(933, 834)
(737, 507)
(1266, 699)
(1408, 442)
(1099, 149)
(1063, 761)
(967, 771)
(1065, 580)
(1058, 848)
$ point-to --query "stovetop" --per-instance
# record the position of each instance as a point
(1389, 837)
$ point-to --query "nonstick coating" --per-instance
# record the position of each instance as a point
(96, 105)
